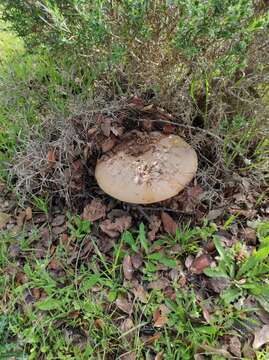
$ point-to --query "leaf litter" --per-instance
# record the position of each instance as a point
(139, 281)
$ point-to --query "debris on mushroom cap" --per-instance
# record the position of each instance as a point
(151, 168)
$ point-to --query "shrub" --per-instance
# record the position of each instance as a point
(179, 48)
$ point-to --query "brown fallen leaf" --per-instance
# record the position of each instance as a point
(124, 305)
(130, 355)
(154, 226)
(159, 284)
(137, 260)
(215, 351)
(114, 228)
(28, 213)
(140, 293)
(51, 158)
(206, 314)
(250, 236)
(261, 337)
(58, 220)
(136, 102)
(235, 346)
(214, 214)
(126, 325)
(169, 129)
(159, 356)
(106, 126)
(57, 230)
(99, 324)
(117, 130)
(53, 265)
(21, 278)
(127, 267)
(200, 263)
(152, 339)
(20, 219)
(108, 144)
(159, 319)
(169, 224)
(94, 211)
(36, 293)
(218, 284)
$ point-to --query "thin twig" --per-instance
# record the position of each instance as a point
(186, 127)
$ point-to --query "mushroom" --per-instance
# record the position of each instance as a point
(149, 169)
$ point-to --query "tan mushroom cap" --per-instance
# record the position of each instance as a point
(157, 174)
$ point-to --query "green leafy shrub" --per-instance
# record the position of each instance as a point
(168, 45)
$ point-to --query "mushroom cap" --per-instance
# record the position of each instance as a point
(166, 166)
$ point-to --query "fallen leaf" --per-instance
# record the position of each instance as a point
(36, 293)
(188, 261)
(28, 213)
(117, 130)
(200, 263)
(137, 260)
(140, 293)
(124, 305)
(21, 278)
(51, 158)
(108, 144)
(92, 131)
(168, 129)
(53, 265)
(218, 284)
(126, 325)
(169, 224)
(13, 251)
(58, 220)
(261, 337)
(99, 324)
(206, 314)
(215, 351)
(114, 228)
(154, 226)
(152, 338)
(214, 214)
(106, 126)
(159, 284)
(159, 356)
(235, 346)
(159, 319)
(130, 355)
(250, 236)
(94, 211)
(127, 267)
(20, 219)
(57, 230)
(136, 103)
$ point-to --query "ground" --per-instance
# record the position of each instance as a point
(84, 276)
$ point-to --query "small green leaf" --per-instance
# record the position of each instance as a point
(142, 238)
(48, 304)
(155, 256)
(128, 239)
(215, 272)
(150, 267)
(168, 262)
(219, 247)
(89, 282)
(231, 294)
(111, 296)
